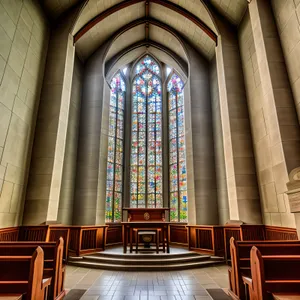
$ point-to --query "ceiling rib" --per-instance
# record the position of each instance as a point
(140, 21)
(169, 5)
(147, 8)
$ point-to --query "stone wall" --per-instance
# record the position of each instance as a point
(65, 211)
(24, 36)
(287, 16)
(268, 156)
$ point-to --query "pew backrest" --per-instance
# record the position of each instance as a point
(23, 274)
(240, 258)
(274, 273)
(53, 259)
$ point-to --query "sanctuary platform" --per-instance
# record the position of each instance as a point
(115, 259)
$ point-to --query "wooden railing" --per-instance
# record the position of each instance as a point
(206, 239)
(178, 234)
(280, 233)
(114, 234)
(214, 240)
(33, 233)
(9, 234)
(87, 239)
(247, 232)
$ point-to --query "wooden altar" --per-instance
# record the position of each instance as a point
(146, 214)
(127, 232)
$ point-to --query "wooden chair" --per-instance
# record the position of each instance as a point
(53, 262)
(24, 275)
(240, 260)
(155, 232)
(273, 274)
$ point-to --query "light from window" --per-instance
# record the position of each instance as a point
(125, 71)
(114, 183)
(177, 163)
(169, 70)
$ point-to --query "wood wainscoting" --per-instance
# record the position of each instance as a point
(178, 234)
(206, 239)
(247, 232)
(114, 234)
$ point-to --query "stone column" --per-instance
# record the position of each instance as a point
(281, 118)
(204, 173)
(85, 210)
(45, 177)
(241, 181)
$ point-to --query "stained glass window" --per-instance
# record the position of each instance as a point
(177, 163)
(114, 184)
(146, 136)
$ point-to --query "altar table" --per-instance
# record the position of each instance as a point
(127, 232)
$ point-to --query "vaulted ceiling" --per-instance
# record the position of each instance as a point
(132, 25)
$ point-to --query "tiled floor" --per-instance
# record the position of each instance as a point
(203, 284)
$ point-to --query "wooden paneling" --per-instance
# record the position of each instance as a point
(206, 239)
(280, 233)
(114, 234)
(87, 239)
(9, 234)
(33, 233)
(178, 234)
(252, 232)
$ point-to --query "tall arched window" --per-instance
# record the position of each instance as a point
(114, 184)
(177, 163)
(146, 136)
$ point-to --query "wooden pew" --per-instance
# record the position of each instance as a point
(273, 274)
(53, 261)
(23, 275)
(240, 260)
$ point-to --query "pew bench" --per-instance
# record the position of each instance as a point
(273, 274)
(52, 265)
(282, 296)
(23, 275)
(240, 261)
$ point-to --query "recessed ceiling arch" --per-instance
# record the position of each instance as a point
(159, 32)
(176, 61)
(167, 4)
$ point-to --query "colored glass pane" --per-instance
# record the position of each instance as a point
(177, 163)
(114, 183)
(146, 134)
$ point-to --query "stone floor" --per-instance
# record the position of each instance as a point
(203, 284)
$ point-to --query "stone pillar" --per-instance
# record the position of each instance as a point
(88, 155)
(294, 195)
(223, 205)
(45, 177)
(281, 118)
(206, 205)
(241, 181)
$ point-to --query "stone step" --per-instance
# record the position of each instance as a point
(140, 255)
(141, 267)
(137, 260)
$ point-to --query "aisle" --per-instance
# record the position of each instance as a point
(198, 284)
